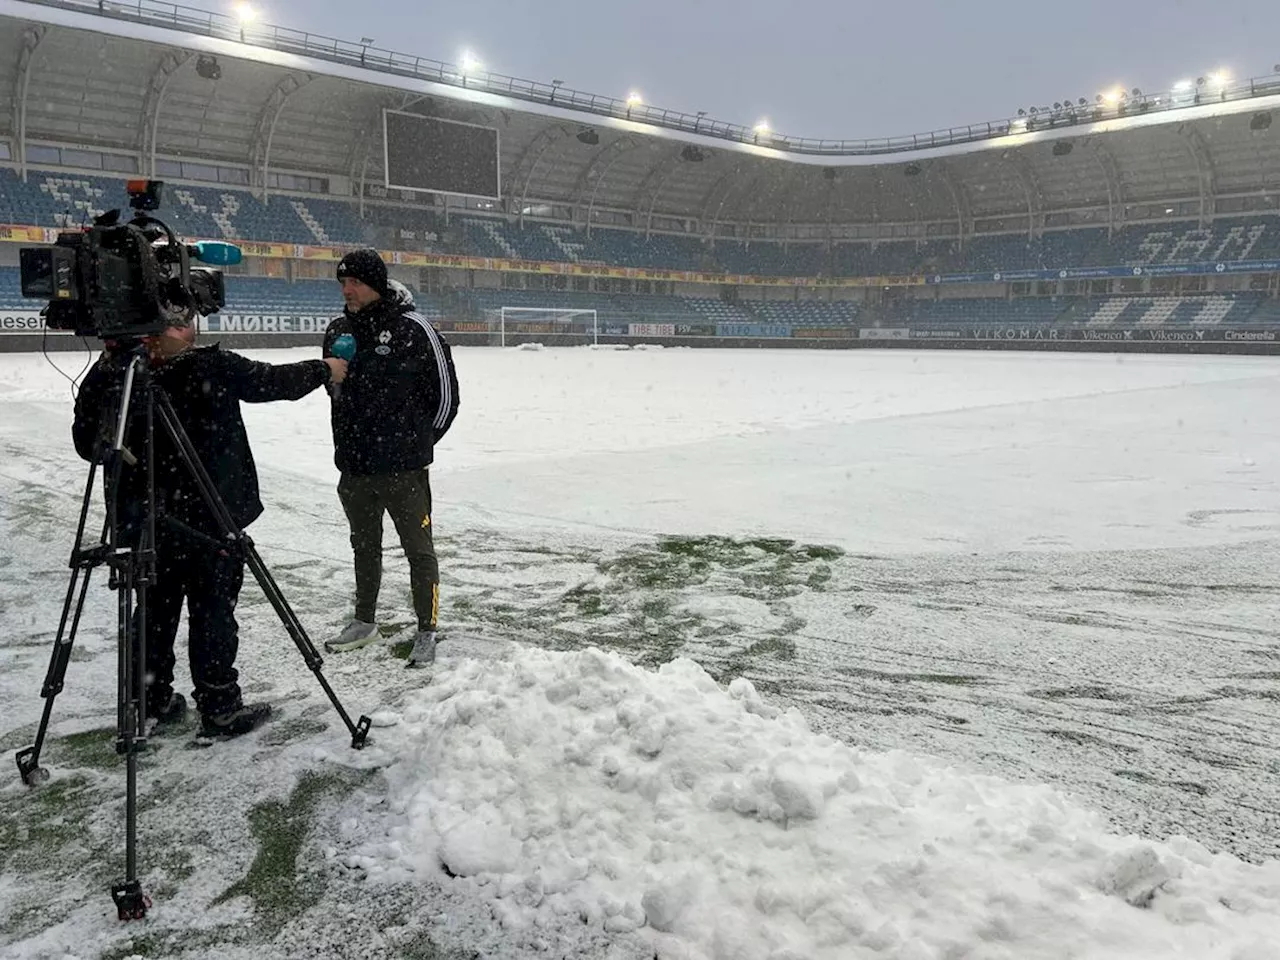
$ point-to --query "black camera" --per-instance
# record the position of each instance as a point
(135, 279)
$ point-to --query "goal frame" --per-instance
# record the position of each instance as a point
(563, 312)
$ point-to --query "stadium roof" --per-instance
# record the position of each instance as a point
(123, 76)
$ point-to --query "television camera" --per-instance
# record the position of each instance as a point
(118, 280)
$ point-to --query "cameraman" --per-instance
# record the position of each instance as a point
(193, 560)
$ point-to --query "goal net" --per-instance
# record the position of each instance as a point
(541, 321)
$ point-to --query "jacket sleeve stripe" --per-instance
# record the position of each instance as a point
(446, 391)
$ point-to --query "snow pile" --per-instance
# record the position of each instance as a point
(577, 787)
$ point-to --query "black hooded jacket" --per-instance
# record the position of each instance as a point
(206, 385)
(400, 395)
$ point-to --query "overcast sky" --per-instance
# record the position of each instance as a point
(824, 68)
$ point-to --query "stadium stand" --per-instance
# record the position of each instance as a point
(273, 297)
(1178, 242)
(67, 200)
(980, 311)
(250, 295)
(610, 308)
(1200, 311)
(11, 291)
(806, 313)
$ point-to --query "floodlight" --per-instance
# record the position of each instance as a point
(469, 63)
(634, 99)
(245, 13)
(761, 128)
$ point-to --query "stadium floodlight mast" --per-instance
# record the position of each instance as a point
(761, 129)
(633, 100)
(469, 65)
(246, 14)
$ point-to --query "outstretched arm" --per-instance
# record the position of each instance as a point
(255, 382)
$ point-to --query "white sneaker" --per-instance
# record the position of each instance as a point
(424, 649)
(357, 634)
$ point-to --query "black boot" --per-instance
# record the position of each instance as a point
(235, 722)
(166, 710)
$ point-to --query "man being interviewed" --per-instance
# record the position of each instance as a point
(399, 398)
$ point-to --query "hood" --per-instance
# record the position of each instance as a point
(399, 294)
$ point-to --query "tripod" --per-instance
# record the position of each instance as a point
(127, 548)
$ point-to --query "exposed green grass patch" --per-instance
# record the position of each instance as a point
(273, 882)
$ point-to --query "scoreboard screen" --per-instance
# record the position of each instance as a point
(440, 156)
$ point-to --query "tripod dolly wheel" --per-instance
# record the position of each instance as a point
(33, 775)
(131, 902)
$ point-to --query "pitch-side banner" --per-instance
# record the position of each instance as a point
(1080, 334)
(260, 323)
(21, 321)
(30, 321)
(1106, 273)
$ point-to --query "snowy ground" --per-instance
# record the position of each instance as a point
(751, 654)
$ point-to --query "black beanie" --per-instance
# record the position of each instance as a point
(366, 266)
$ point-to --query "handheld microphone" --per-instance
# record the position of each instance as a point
(215, 252)
(344, 348)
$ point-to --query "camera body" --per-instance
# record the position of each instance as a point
(117, 280)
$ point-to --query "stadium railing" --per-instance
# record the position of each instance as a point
(191, 19)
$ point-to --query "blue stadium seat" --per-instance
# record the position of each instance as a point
(806, 313)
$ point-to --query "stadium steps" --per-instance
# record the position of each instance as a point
(1160, 310)
(314, 225)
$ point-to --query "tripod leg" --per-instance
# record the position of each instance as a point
(131, 903)
(237, 538)
(29, 758)
(359, 731)
(131, 738)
